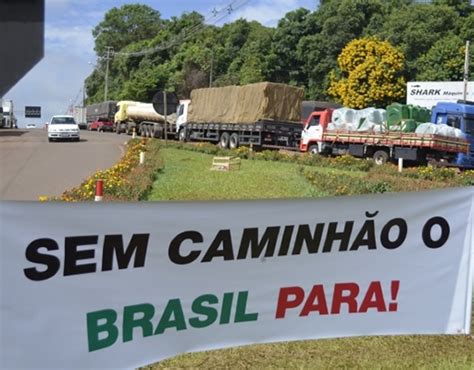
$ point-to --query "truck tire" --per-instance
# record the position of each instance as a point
(234, 141)
(380, 157)
(224, 140)
(313, 149)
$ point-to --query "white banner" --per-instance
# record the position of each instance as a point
(428, 93)
(123, 285)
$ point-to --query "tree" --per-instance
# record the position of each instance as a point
(444, 61)
(338, 23)
(415, 28)
(125, 25)
(369, 74)
(251, 63)
(283, 58)
(467, 29)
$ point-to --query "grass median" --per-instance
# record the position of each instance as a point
(186, 175)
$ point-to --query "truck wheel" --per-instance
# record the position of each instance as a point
(313, 149)
(234, 141)
(224, 140)
(380, 157)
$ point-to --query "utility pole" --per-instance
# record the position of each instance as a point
(109, 48)
(84, 95)
(466, 70)
(11, 114)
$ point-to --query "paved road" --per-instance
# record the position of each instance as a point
(30, 166)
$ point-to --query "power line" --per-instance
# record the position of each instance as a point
(216, 16)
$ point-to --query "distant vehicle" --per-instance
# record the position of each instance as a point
(30, 125)
(101, 125)
(63, 127)
(101, 110)
(143, 118)
(79, 115)
(7, 115)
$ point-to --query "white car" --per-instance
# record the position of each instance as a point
(63, 127)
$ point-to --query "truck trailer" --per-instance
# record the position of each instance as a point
(143, 118)
(105, 110)
(263, 115)
(320, 137)
(80, 116)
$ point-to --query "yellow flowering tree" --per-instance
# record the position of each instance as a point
(369, 73)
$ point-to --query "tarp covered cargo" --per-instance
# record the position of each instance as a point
(101, 110)
(246, 104)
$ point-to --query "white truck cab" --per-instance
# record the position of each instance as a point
(182, 118)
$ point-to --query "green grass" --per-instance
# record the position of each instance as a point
(398, 352)
(187, 176)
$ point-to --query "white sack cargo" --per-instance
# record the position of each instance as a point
(439, 129)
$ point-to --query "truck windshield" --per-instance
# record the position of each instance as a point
(63, 121)
(314, 121)
(453, 121)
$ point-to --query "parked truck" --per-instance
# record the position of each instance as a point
(80, 116)
(459, 115)
(143, 118)
(7, 116)
(394, 138)
(264, 115)
(104, 110)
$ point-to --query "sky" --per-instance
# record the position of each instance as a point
(57, 80)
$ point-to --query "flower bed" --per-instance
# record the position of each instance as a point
(126, 180)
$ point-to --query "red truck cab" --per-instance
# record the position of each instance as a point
(313, 130)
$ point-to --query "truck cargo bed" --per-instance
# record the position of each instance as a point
(429, 141)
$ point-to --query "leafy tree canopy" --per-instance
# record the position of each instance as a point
(302, 50)
(369, 74)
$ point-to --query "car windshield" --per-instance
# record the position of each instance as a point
(63, 121)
